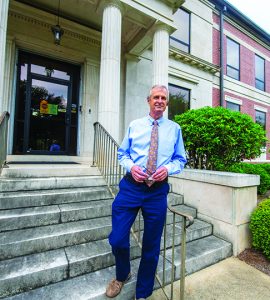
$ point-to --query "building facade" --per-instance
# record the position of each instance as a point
(110, 54)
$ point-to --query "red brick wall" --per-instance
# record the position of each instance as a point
(216, 97)
(242, 36)
(247, 66)
(215, 47)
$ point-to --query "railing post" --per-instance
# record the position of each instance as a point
(3, 138)
(95, 141)
(183, 261)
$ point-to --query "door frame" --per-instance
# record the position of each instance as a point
(74, 72)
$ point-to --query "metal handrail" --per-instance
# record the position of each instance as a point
(3, 138)
(105, 158)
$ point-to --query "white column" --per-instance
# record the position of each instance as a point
(88, 114)
(3, 34)
(109, 89)
(160, 55)
(8, 91)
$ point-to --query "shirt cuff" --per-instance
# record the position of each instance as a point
(129, 165)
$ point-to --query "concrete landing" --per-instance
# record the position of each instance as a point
(230, 279)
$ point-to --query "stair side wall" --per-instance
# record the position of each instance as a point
(226, 200)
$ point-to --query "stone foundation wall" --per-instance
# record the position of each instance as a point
(223, 199)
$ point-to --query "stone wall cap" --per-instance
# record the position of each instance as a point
(220, 178)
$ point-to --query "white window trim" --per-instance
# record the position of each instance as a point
(260, 108)
(233, 100)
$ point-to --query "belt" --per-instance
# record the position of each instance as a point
(156, 184)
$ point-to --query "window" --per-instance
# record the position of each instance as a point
(181, 37)
(233, 106)
(179, 100)
(260, 118)
(233, 59)
(259, 72)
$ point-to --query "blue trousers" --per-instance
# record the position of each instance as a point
(153, 203)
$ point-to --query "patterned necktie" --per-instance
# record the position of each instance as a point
(152, 154)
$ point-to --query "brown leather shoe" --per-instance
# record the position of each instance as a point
(114, 287)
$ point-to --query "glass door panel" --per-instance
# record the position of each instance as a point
(49, 116)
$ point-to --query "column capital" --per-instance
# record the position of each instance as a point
(113, 3)
(162, 26)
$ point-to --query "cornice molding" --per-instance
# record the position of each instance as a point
(75, 33)
(193, 61)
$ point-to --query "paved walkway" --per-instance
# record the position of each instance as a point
(231, 279)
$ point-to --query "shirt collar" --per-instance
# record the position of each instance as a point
(151, 120)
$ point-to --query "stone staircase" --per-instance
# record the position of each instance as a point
(54, 224)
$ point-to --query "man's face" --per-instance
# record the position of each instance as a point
(158, 101)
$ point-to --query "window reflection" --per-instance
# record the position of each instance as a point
(259, 72)
(49, 72)
(179, 101)
(233, 59)
(260, 118)
(232, 106)
(181, 37)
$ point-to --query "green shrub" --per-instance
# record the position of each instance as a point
(260, 227)
(256, 169)
(266, 167)
(216, 138)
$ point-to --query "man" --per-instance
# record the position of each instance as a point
(151, 150)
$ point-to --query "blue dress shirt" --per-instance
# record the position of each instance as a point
(135, 146)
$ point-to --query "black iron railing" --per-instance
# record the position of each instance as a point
(105, 158)
(3, 138)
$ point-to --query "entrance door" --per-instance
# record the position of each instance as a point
(47, 101)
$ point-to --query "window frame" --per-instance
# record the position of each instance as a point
(182, 88)
(256, 79)
(261, 112)
(230, 66)
(189, 33)
(233, 104)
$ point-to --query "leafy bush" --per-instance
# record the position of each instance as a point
(266, 167)
(216, 138)
(260, 227)
(256, 169)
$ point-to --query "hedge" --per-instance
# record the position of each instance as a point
(260, 227)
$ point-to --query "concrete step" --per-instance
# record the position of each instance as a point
(48, 170)
(33, 240)
(38, 239)
(49, 183)
(175, 199)
(91, 286)
(9, 200)
(96, 255)
(197, 230)
(201, 254)
(93, 256)
(54, 214)
(88, 286)
(28, 272)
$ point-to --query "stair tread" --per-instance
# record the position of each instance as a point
(58, 191)
(93, 285)
(185, 209)
(31, 211)
(17, 236)
(21, 266)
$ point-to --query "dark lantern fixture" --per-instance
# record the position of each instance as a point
(56, 29)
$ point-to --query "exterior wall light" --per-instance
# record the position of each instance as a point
(57, 32)
(56, 29)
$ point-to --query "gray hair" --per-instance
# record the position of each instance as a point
(158, 86)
